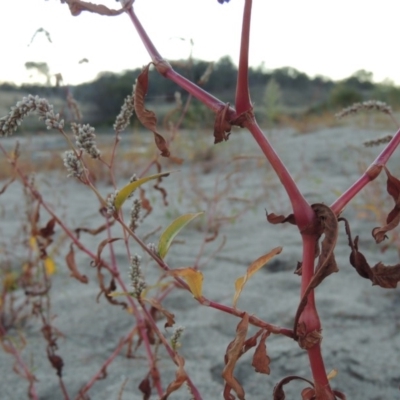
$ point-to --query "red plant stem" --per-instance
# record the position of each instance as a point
(243, 101)
(302, 210)
(340, 203)
(309, 315)
(210, 101)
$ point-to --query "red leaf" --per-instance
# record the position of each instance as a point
(261, 360)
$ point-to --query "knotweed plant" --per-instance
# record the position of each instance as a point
(317, 225)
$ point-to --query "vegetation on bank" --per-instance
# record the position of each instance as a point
(277, 94)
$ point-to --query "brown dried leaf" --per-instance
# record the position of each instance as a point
(233, 352)
(379, 234)
(307, 340)
(48, 230)
(146, 205)
(393, 188)
(261, 360)
(95, 231)
(180, 377)
(145, 388)
(56, 362)
(280, 219)
(70, 260)
(308, 394)
(279, 393)
(170, 317)
(158, 187)
(77, 6)
(222, 126)
(107, 291)
(101, 246)
(386, 276)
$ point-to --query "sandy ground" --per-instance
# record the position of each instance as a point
(360, 322)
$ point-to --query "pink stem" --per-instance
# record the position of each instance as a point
(368, 175)
(243, 101)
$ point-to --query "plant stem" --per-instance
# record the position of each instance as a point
(369, 175)
(243, 101)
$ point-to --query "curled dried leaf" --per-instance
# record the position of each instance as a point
(71, 264)
(279, 393)
(155, 304)
(101, 246)
(77, 6)
(280, 219)
(261, 360)
(222, 126)
(232, 354)
(180, 377)
(145, 388)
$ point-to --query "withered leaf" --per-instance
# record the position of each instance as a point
(279, 393)
(170, 317)
(48, 230)
(386, 276)
(222, 126)
(71, 264)
(393, 188)
(280, 219)
(180, 378)
(339, 395)
(232, 354)
(261, 360)
(77, 6)
(56, 362)
(95, 231)
(308, 394)
(107, 291)
(307, 340)
(393, 218)
(145, 388)
(101, 246)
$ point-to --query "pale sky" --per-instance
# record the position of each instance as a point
(331, 38)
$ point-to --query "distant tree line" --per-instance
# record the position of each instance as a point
(298, 93)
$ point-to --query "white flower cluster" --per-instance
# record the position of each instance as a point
(72, 164)
(136, 277)
(135, 214)
(28, 105)
(86, 139)
(111, 210)
(366, 105)
(124, 117)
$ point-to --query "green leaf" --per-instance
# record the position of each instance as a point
(127, 190)
(173, 229)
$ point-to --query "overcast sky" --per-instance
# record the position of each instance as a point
(331, 38)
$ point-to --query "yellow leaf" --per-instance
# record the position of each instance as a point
(251, 270)
(193, 278)
(172, 230)
(10, 281)
(128, 189)
(32, 243)
(49, 266)
(332, 374)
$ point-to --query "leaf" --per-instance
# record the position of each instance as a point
(393, 218)
(101, 246)
(49, 266)
(48, 230)
(386, 276)
(77, 6)
(251, 270)
(180, 377)
(232, 354)
(145, 388)
(222, 126)
(148, 118)
(280, 219)
(156, 305)
(193, 278)
(128, 189)
(172, 230)
(261, 360)
(307, 340)
(279, 393)
(70, 260)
